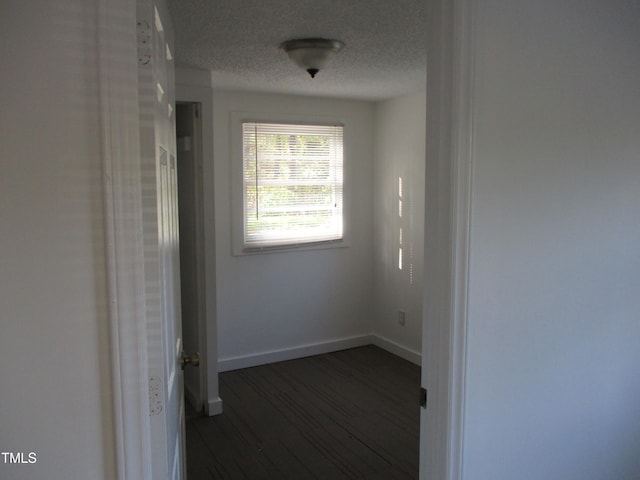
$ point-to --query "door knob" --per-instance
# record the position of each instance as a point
(193, 360)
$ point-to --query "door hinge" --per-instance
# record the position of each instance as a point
(423, 397)
(144, 42)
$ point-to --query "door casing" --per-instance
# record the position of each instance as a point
(450, 61)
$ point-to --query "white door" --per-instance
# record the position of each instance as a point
(160, 219)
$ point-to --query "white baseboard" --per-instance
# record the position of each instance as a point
(396, 349)
(235, 363)
(214, 407)
(263, 358)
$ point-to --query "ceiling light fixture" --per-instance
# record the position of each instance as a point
(312, 54)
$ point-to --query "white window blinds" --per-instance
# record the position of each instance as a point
(292, 183)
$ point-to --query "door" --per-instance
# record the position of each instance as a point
(161, 239)
(188, 131)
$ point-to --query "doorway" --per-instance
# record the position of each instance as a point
(194, 123)
(189, 165)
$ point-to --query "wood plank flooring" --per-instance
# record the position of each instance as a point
(351, 414)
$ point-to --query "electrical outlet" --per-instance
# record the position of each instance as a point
(401, 318)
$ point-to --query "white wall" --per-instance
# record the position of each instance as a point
(281, 301)
(55, 383)
(399, 153)
(554, 305)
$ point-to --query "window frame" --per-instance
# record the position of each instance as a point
(237, 182)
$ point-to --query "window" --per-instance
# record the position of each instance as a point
(292, 184)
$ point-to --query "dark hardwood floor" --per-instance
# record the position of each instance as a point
(351, 414)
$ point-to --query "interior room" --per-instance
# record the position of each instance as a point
(518, 289)
(284, 304)
(319, 300)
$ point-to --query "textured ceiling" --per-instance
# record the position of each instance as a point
(384, 54)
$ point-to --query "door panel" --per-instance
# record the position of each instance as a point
(161, 237)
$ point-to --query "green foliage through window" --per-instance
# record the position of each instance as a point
(293, 180)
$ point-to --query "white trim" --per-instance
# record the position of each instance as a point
(263, 358)
(450, 111)
(203, 95)
(397, 349)
(198, 398)
(271, 356)
(123, 234)
(462, 175)
(214, 407)
(201, 266)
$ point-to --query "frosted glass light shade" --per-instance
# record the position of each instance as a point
(312, 54)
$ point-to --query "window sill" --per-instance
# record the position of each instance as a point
(292, 247)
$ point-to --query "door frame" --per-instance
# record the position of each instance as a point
(448, 195)
(197, 191)
(194, 190)
(124, 254)
(449, 152)
(203, 96)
